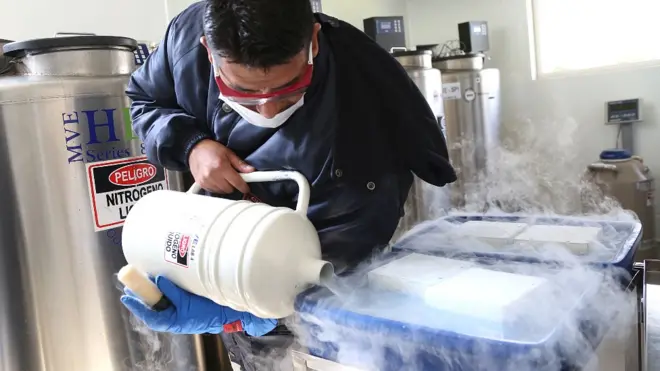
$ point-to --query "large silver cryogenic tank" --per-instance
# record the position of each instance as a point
(471, 97)
(423, 198)
(419, 66)
(71, 169)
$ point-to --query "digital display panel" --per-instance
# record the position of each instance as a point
(385, 26)
(623, 111)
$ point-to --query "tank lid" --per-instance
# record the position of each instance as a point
(615, 154)
(459, 56)
(409, 53)
(427, 46)
(21, 48)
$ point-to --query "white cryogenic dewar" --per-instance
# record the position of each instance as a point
(488, 295)
(578, 239)
(496, 234)
(248, 256)
(414, 273)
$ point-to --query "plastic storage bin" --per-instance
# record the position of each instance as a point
(370, 329)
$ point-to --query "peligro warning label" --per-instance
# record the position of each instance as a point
(180, 248)
(116, 185)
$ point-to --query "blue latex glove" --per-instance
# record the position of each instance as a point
(192, 314)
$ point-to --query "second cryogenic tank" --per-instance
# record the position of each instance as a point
(627, 179)
(471, 97)
(419, 66)
(71, 168)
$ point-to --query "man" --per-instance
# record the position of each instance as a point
(243, 85)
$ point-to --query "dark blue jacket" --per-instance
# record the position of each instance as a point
(364, 129)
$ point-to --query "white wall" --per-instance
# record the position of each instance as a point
(26, 19)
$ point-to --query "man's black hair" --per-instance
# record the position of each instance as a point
(258, 33)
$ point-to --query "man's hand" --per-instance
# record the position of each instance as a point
(215, 168)
(192, 314)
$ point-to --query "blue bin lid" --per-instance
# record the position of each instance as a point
(621, 254)
(615, 154)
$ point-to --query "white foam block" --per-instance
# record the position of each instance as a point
(414, 273)
(489, 296)
(575, 238)
(496, 234)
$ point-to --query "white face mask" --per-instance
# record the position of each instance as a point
(256, 119)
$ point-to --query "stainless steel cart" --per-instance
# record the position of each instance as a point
(648, 289)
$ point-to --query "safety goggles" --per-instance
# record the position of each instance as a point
(255, 99)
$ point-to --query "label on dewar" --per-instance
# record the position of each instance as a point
(180, 248)
(116, 185)
(451, 91)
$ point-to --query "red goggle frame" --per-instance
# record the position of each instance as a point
(250, 99)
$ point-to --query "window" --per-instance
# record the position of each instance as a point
(572, 35)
